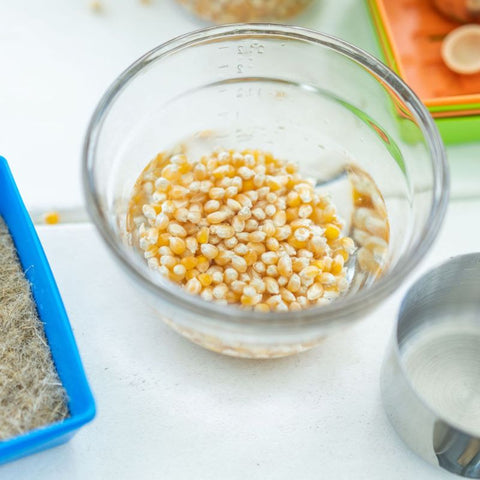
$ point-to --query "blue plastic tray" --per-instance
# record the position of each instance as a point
(57, 328)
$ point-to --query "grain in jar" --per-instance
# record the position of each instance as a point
(233, 11)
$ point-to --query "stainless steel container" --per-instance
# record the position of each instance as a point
(431, 375)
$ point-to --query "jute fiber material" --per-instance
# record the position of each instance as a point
(31, 394)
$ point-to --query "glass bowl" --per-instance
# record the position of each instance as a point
(350, 123)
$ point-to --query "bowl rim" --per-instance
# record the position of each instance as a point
(343, 308)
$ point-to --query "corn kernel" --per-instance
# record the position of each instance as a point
(225, 231)
(220, 291)
(205, 279)
(178, 192)
(250, 301)
(193, 286)
(327, 279)
(179, 270)
(271, 285)
(251, 257)
(203, 263)
(285, 265)
(295, 243)
(257, 236)
(51, 218)
(163, 239)
(189, 262)
(332, 232)
(282, 233)
(177, 245)
(176, 230)
(239, 264)
(230, 275)
(272, 271)
(315, 291)
(337, 265)
(269, 228)
(272, 244)
(279, 219)
(217, 217)
(209, 250)
(309, 272)
(248, 185)
(262, 307)
(171, 172)
(295, 306)
(202, 235)
(294, 283)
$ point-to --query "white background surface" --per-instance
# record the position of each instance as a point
(166, 408)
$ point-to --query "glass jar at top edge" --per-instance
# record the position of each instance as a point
(239, 11)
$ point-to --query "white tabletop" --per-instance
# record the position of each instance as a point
(167, 408)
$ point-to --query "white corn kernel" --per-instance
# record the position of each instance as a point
(257, 236)
(149, 212)
(302, 234)
(211, 206)
(233, 205)
(294, 283)
(315, 292)
(193, 286)
(162, 184)
(179, 270)
(285, 265)
(220, 291)
(246, 173)
(230, 275)
(241, 249)
(259, 267)
(153, 263)
(269, 258)
(327, 279)
(230, 242)
(271, 285)
(258, 213)
(225, 231)
(270, 210)
(176, 230)
(238, 224)
(207, 294)
(244, 213)
(258, 284)
(163, 270)
(239, 264)
(209, 250)
(217, 277)
(217, 217)
(272, 271)
(281, 307)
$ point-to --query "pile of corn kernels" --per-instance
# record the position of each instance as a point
(240, 228)
(228, 11)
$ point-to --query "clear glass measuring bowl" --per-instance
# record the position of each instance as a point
(349, 122)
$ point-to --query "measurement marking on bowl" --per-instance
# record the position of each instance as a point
(253, 48)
